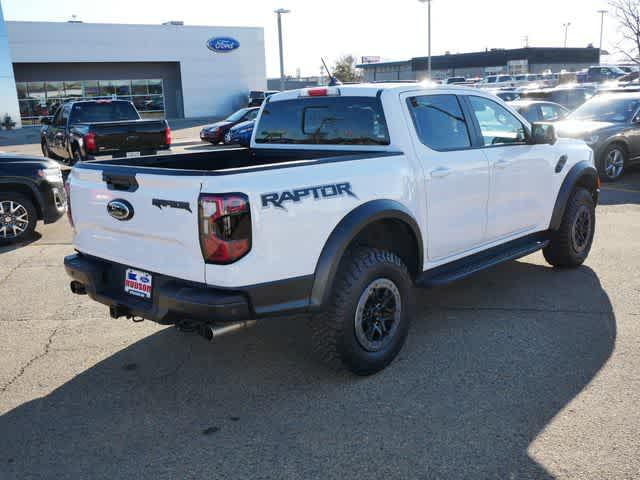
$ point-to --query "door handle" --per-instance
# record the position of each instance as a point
(440, 172)
(502, 163)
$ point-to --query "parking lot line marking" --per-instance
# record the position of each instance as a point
(625, 190)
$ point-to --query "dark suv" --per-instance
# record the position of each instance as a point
(31, 189)
(610, 124)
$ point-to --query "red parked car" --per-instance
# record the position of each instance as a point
(215, 132)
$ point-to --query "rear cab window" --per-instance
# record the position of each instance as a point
(103, 111)
(347, 120)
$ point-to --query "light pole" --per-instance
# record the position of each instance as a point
(602, 14)
(428, 2)
(566, 30)
(280, 12)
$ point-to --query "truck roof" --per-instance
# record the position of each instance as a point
(371, 89)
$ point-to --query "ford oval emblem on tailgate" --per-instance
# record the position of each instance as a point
(120, 209)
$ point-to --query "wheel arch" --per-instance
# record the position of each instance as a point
(582, 174)
(27, 189)
(365, 225)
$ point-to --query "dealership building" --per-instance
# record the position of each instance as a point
(480, 64)
(169, 70)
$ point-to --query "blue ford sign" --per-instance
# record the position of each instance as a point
(222, 44)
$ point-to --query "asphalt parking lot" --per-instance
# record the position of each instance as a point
(522, 371)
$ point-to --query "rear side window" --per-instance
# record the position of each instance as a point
(324, 121)
(439, 122)
(103, 112)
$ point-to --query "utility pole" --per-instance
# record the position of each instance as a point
(279, 12)
(602, 14)
(566, 31)
(428, 2)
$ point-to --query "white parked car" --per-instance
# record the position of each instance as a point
(348, 198)
(498, 81)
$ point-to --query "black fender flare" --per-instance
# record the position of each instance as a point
(343, 234)
(39, 201)
(582, 172)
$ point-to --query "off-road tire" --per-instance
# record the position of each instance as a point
(334, 331)
(27, 204)
(562, 251)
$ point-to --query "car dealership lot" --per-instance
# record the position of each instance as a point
(518, 372)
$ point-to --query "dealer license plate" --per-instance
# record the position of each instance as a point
(133, 154)
(138, 283)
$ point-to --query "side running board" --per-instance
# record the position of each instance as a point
(466, 267)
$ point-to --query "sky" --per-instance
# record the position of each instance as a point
(393, 30)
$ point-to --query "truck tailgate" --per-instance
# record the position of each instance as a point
(129, 135)
(162, 234)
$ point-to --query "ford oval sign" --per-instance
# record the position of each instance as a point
(120, 209)
(223, 44)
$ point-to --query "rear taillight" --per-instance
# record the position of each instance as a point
(67, 190)
(90, 142)
(167, 136)
(225, 227)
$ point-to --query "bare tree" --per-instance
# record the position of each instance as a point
(627, 13)
(345, 69)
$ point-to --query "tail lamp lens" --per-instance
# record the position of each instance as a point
(90, 142)
(167, 136)
(225, 227)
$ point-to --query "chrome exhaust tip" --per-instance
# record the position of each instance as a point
(212, 332)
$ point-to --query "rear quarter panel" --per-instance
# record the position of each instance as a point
(287, 241)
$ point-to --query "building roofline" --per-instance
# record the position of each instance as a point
(111, 24)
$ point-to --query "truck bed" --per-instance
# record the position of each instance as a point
(227, 161)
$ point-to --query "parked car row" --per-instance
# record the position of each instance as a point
(215, 132)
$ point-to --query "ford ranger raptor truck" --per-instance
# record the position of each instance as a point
(348, 198)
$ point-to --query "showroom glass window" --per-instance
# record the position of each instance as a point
(38, 99)
(439, 122)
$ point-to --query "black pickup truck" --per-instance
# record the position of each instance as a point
(85, 129)
(31, 189)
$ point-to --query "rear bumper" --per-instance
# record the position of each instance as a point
(172, 300)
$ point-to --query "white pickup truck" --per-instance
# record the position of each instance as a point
(348, 198)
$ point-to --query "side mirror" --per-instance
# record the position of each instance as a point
(45, 120)
(543, 134)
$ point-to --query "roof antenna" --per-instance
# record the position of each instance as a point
(333, 81)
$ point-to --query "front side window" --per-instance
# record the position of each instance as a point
(324, 121)
(57, 120)
(497, 125)
(530, 113)
(551, 113)
(65, 114)
(439, 122)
